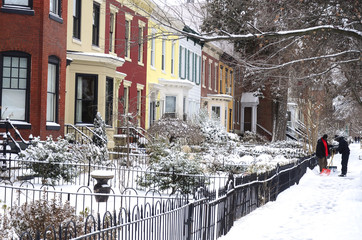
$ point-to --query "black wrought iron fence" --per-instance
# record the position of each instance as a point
(208, 216)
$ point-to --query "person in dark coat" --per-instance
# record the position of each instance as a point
(344, 150)
(322, 152)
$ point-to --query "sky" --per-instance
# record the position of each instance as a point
(319, 208)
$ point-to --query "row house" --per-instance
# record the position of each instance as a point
(107, 56)
(93, 76)
(161, 68)
(127, 38)
(216, 85)
(174, 75)
(33, 65)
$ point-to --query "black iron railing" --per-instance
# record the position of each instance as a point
(207, 216)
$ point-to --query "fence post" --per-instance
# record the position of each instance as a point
(190, 221)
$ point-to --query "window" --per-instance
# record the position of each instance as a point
(163, 63)
(140, 44)
(170, 104)
(17, 6)
(54, 7)
(198, 72)
(203, 72)
(193, 67)
(216, 111)
(109, 101)
(226, 77)
(86, 98)
(126, 39)
(111, 32)
(139, 107)
(173, 58)
(153, 49)
(188, 63)
(231, 79)
(52, 89)
(95, 32)
(125, 100)
(220, 84)
(182, 63)
(215, 78)
(76, 19)
(18, 3)
(15, 75)
(210, 70)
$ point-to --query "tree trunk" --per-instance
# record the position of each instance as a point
(280, 118)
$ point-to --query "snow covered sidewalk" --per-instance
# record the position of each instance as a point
(320, 207)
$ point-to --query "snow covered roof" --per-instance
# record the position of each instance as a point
(221, 97)
(103, 58)
(182, 83)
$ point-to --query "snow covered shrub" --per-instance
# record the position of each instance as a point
(100, 140)
(5, 229)
(251, 137)
(210, 127)
(50, 160)
(176, 130)
(172, 169)
(38, 215)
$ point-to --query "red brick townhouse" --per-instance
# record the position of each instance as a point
(126, 37)
(32, 65)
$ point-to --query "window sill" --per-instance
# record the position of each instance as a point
(56, 18)
(52, 126)
(17, 124)
(127, 59)
(96, 48)
(17, 10)
(77, 41)
(141, 64)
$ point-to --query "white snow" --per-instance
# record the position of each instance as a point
(319, 208)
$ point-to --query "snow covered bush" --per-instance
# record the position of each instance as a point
(51, 160)
(38, 215)
(253, 138)
(171, 168)
(210, 127)
(6, 231)
(176, 130)
(100, 139)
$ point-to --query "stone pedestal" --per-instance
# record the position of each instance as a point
(102, 185)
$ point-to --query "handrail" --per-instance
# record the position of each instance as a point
(137, 130)
(264, 129)
(78, 131)
(9, 123)
(94, 133)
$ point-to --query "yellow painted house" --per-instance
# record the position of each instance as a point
(92, 81)
(162, 61)
(226, 87)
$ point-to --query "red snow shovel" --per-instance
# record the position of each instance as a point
(327, 171)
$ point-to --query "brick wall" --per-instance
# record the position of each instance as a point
(41, 37)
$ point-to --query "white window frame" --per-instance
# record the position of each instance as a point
(163, 59)
(153, 48)
(173, 58)
(203, 76)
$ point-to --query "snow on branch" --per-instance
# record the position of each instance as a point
(253, 67)
(267, 35)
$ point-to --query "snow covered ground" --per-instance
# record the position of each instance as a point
(319, 208)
